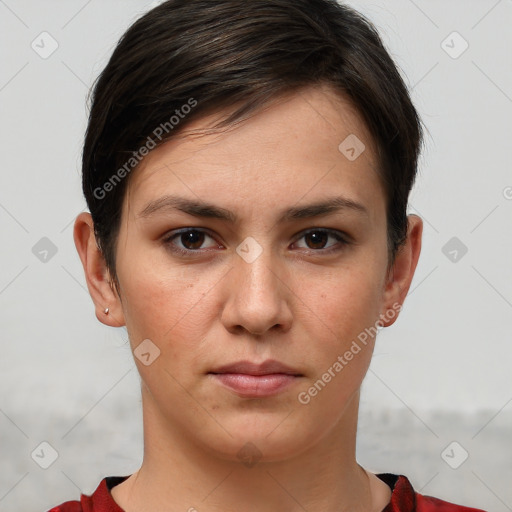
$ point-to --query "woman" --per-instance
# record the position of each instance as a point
(247, 167)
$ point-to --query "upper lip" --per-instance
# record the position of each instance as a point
(267, 367)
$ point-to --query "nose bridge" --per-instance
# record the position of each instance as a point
(257, 299)
(256, 267)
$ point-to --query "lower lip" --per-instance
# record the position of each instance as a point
(255, 386)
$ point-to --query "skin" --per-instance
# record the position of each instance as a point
(294, 303)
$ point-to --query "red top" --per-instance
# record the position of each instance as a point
(403, 498)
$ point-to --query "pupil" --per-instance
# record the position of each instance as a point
(319, 237)
(191, 237)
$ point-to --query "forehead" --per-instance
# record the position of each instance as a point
(300, 147)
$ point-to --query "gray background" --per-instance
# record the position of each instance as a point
(440, 374)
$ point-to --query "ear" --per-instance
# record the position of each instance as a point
(400, 275)
(98, 278)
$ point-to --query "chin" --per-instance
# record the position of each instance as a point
(258, 438)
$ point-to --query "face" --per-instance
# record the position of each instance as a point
(266, 242)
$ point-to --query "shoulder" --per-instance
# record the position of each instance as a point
(405, 499)
(430, 504)
(99, 501)
(69, 506)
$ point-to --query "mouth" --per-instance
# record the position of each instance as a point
(252, 380)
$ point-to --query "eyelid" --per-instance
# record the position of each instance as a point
(330, 231)
(340, 236)
(171, 235)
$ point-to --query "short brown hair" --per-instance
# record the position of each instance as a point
(221, 53)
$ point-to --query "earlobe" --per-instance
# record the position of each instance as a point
(400, 277)
(106, 301)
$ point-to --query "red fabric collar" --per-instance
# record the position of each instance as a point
(403, 499)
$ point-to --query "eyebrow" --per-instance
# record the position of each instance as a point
(198, 208)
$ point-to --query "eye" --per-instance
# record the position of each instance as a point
(191, 240)
(317, 238)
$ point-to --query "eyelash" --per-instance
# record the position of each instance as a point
(190, 253)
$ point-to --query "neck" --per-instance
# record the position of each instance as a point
(177, 474)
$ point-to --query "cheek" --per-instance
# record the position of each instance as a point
(343, 304)
(169, 306)
(341, 329)
(342, 340)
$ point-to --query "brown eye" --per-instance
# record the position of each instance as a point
(317, 239)
(188, 242)
(192, 239)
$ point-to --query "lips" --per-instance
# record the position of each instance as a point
(268, 367)
(253, 380)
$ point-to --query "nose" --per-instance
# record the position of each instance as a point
(258, 295)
